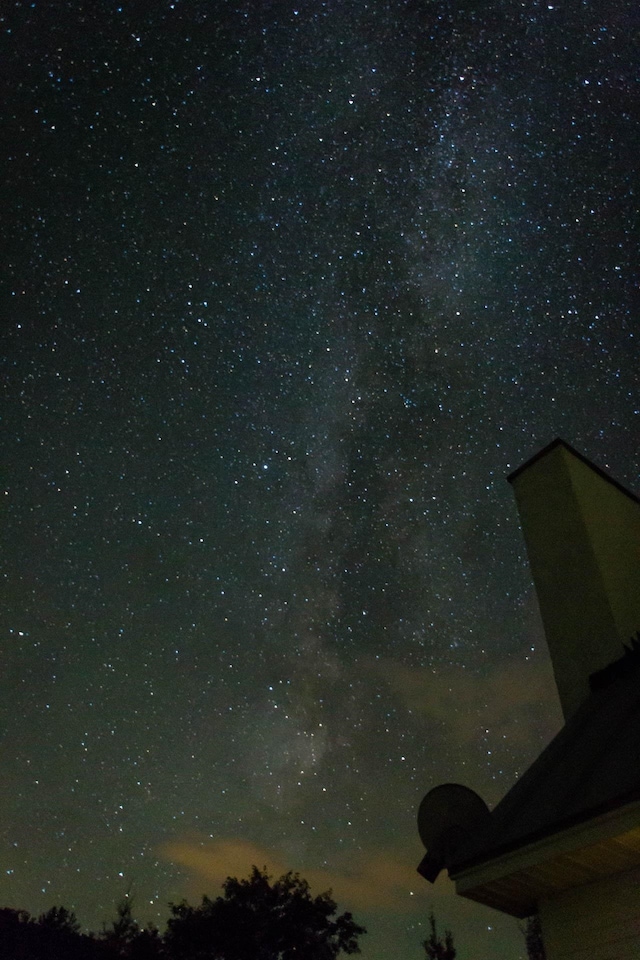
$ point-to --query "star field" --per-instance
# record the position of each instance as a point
(288, 290)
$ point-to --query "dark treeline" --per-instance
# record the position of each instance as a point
(256, 919)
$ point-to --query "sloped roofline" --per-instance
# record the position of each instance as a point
(549, 831)
(590, 768)
(559, 442)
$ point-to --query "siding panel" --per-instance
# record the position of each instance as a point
(595, 921)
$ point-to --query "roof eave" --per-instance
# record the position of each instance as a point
(513, 881)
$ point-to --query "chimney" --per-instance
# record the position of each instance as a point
(582, 531)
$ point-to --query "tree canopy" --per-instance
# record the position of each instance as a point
(435, 947)
(256, 919)
(533, 939)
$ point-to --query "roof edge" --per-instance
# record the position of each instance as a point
(559, 442)
(555, 830)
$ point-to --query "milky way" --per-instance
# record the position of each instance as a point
(288, 291)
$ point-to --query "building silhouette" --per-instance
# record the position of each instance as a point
(564, 842)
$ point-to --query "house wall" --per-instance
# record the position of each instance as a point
(583, 541)
(595, 921)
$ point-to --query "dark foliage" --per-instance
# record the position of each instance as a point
(59, 918)
(435, 947)
(256, 919)
(533, 939)
(260, 920)
(54, 936)
(126, 938)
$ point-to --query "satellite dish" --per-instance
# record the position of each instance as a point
(450, 805)
(448, 817)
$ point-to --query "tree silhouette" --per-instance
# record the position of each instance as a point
(59, 918)
(434, 947)
(126, 938)
(256, 919)
(260, 920)
(533, 939)
(54, 935)
(124, 929)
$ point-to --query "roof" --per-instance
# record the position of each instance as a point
(559, 442)
(582, 533)
(574, 815)
(591, 767)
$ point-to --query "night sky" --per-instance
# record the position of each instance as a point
(288, 290)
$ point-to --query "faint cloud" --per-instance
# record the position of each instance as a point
(212, 861)
(382, 881)
(515, 700)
